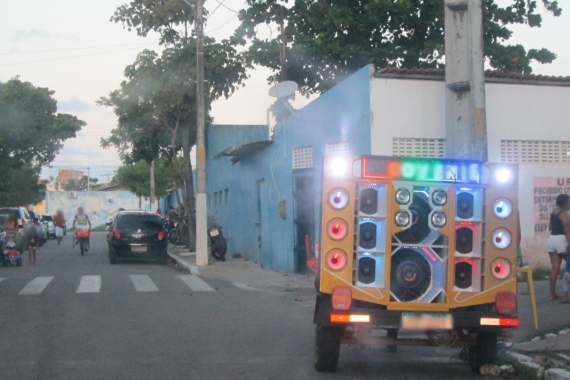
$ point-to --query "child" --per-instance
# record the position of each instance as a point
(33, 242)
(566, 281)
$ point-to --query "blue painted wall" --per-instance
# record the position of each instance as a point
(256, 183)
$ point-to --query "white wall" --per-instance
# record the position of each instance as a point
(404, 108)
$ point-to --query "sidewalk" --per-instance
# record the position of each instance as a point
(242, 272)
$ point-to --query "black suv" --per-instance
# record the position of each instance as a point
(137, 235)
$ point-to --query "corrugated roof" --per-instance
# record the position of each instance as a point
(492, 76)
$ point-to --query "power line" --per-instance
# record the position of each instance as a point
(74, 56)
(83, 48)
(216, 29)
(225, 6)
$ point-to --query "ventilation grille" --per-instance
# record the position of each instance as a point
(337, 148)
(434, 148)
(303, 157)
(518, 151)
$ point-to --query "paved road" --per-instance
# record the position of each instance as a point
(73, 317)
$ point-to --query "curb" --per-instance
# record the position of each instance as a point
(185, 264)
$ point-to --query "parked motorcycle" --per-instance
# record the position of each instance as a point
(12, 250)
(173, 233)
(218, 243)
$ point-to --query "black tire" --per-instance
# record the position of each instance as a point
(484, 352)
(163, 259)
(4, 264)
(327, 348)
(174, 237)
(82, 247)
(215, 253)
(19, 263)
(112, 257)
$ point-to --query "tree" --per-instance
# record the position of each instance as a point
(79, 185)
(136, 177)
(327, 40)
(31, 135)
(156, 105)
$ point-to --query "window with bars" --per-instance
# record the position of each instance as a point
(418, 147)
(303, 157)
(521, 151)
(337, 148)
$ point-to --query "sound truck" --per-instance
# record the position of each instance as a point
(421, 245)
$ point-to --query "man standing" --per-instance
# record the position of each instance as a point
(59, 221)
(33, 241)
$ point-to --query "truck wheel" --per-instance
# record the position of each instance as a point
(485, 351)
(327, 348)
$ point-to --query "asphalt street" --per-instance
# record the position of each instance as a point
(73, 317)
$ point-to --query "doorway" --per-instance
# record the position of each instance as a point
(260, 185)
(304, 216)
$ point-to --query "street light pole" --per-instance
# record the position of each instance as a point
(201, 204)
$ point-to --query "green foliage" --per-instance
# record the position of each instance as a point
(158, 100)
(327, 40)
(80, 185)
(31, 135)
(136, 177)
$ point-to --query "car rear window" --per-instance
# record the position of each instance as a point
(132, 223)
(49, 218)
(7, 210)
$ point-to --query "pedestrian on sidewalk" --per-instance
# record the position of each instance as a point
(33, 241)
(59, 221)
(557, 242)
(566, 282)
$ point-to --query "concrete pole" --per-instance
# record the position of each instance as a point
(201, 205)
(152, 192)
(88, 181)
(466, 125)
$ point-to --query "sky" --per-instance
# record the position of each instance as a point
(71, 47)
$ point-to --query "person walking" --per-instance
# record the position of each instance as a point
(559, 238)
(59, 221)
(33, 241)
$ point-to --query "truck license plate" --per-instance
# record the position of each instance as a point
(138, 249)
(427, 321)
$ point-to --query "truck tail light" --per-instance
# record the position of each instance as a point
(506, 304)
(341, 298)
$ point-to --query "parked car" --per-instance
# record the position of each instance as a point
(42, 229)
(24, 219)
(47, 220)
(137, 235)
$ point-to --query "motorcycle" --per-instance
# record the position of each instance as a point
(173, 233)
(218, 243)
(12, 250)
(81, 237)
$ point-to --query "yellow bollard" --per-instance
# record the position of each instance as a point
(530, 284)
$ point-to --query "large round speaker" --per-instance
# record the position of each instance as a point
(463, 275)
(464, 240)
(410, 275)
(419, 229)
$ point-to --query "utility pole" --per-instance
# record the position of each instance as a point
(152, 194)
(201, 204)
(88, 181)
(466, 124)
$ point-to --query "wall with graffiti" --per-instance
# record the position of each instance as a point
(100, 206)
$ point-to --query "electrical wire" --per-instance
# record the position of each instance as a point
(60, 58)
(225, 6)
(83, 48)
(216, 29)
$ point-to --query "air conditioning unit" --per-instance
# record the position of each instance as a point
(73, 194)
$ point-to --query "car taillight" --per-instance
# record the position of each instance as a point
(341, 298)
(117, 234)
(506, 303)
(161, 235)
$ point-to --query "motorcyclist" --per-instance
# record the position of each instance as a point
(81, 218)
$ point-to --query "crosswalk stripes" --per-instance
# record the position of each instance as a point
(143, 283)
(36, 286)
(195, 283)
(89, 284)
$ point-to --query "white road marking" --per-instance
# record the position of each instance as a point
(195, 283)
(143, 283)
(243, 286)
(36, 286)
(89, 284)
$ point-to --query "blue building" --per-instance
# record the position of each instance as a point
(265, 189)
